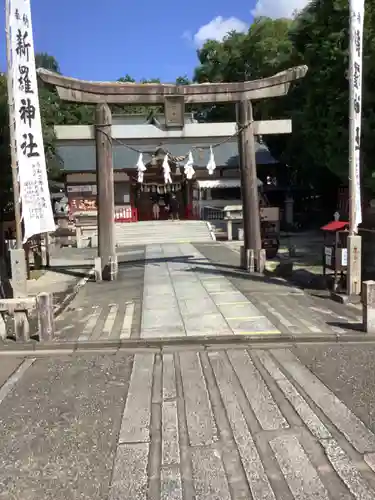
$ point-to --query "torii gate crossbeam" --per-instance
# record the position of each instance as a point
(174, 98)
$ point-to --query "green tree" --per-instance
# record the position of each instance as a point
(46, 61)
(126, 79)
(183, 80)
(264, 50)
(6, 190)
(318, 105)
(56, 112)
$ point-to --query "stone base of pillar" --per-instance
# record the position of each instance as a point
(368, 298)
(106, 272)
(253, 261)
(354, 258)
(98, 268)
(110, 271)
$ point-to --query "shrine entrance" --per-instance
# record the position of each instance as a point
(147, 195)
(153, 197)
(174, 98)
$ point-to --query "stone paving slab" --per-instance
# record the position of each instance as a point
(289, 308)
(226, 424)
(239, 424)
(107, 310)
(195, 297)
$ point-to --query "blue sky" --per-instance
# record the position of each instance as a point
(97, 40)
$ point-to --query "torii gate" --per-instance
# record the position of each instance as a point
(174, 98)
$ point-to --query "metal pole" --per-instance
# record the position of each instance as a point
(18, 261)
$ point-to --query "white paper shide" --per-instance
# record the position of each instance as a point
(37, 211)
(356, 23)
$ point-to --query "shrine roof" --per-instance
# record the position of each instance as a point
(80, 156)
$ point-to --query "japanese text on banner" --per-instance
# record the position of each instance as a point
(37, 211)
(357, 16)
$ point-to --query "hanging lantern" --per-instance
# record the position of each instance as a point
(211, 165)
(178, 170)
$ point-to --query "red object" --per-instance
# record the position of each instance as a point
(126, 215)
(335, 225)
(190, 213)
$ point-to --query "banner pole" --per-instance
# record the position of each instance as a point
(18, 261)
(354, 246)
(16, 192)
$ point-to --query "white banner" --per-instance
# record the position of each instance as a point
(37, 211)
(357, 12)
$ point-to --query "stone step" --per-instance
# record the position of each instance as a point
(165, 239)
(157, 232)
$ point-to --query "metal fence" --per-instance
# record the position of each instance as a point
(212, 213)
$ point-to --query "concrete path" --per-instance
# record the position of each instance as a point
(189, 291)
(179, 299)
(201, 424)
(107, 310)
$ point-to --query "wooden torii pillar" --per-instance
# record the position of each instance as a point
(174, 98)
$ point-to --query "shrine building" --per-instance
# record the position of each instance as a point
(135, 134)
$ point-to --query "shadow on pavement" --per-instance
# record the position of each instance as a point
(200, 265)
(356, 327)
(78, 271)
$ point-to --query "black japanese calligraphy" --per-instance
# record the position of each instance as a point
(357, 138)
(356, 75)
(24, 79)
(25, 18)
(34, 195)
(29, 147)
(22, 44)
(357, 104)
(27, 111)
(357, 16)
(357, 42)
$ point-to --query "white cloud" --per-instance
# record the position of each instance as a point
(217, 29)
(277, 8)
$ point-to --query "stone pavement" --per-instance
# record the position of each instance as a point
(199, 424)
(291, 309)
(181, 290)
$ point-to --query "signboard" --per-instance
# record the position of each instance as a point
(83, 188)
(88, 204)
(328, 252)
(344, 257)
(36, 206)
(357, 12)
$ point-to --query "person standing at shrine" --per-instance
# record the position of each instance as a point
(156, 210)
(174, 207)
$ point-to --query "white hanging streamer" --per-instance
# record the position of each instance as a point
(167, 170)
(189, 167)
(141, 168)
(211, 165)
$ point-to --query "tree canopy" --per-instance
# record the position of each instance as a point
(318, 105)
